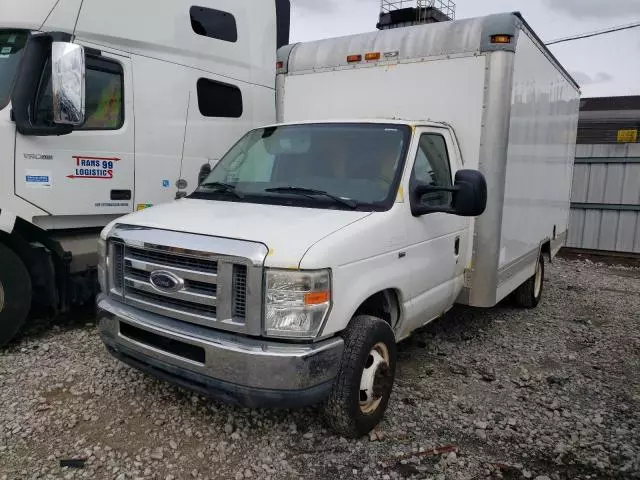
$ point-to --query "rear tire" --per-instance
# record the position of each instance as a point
(362, 388)
(15, 294)
(528, 295)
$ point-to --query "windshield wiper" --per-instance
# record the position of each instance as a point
(225, 187)
(311, 193)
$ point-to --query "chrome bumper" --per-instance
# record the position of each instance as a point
(233, 368)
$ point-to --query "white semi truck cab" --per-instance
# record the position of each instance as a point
(318, 243)
(108, 107)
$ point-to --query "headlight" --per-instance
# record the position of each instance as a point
(102, 265)
(296, 302)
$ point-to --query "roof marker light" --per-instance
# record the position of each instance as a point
(354, 58)
(501, 39)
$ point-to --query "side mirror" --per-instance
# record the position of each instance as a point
(469, 196)
(68, 83)
(205, 170)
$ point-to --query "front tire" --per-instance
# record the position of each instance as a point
(529, 294)
(362, 388)
(15, 294)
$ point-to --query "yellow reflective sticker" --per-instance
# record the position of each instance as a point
(628, 135)
(143, 206)
(400, 196)
(271, 252)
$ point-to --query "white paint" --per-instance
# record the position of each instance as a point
(543, 129)
(440, 90)
(162, 60)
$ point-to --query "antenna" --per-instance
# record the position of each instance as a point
(405, 13)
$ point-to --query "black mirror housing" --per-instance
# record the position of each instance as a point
(469, 196)
(205, 170)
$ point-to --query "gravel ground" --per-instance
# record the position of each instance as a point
(552, 393)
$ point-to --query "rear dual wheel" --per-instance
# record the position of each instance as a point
(529, 294)
(15, 294)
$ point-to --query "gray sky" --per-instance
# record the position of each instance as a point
(605, 65)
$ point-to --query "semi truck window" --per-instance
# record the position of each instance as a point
(104, 101)
(433, 167)
(216, 99)
(212, 23)
(11, 46)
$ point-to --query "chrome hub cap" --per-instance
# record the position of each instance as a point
(538, 280)
(375, 378)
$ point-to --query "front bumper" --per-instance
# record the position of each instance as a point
(232, 368)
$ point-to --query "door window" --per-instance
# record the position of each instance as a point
(432, 167)
(104, 96)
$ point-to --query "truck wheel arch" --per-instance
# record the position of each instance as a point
(43, 276)
(384, 304)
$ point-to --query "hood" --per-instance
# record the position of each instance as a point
(31, 14)
(288, 232)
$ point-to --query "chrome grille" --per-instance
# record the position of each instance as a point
(215, 291)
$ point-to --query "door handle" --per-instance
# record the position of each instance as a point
(120, 194)
(456, 246)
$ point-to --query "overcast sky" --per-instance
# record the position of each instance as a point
(604, 66)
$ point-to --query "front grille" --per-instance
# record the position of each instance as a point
(212, 291)
(179, 261)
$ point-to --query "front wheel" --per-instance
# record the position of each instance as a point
(15, 294)
(528, 295)
(362, 388)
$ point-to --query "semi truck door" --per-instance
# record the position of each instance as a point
(90, 171)
(438, 240)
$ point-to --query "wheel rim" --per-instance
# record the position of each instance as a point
(538, 280)
(375, 378)
(1, 298)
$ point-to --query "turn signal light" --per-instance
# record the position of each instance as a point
(316, 298)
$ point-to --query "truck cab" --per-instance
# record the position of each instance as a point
(243, 290)
(152, 98)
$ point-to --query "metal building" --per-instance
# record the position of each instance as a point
(605, 208)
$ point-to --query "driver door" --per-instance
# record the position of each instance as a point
(438, 239)
(89, 171)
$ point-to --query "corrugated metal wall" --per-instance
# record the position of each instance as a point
(605, 209)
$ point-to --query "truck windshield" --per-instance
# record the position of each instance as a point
(12, 44)
(329, 165)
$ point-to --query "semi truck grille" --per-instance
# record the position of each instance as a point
(211, 292)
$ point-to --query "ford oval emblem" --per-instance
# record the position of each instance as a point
(166, 282)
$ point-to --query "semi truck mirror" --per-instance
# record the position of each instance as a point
(68, 83)
(35, 59)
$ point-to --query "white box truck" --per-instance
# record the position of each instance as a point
(168, 87)
(412, 169)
